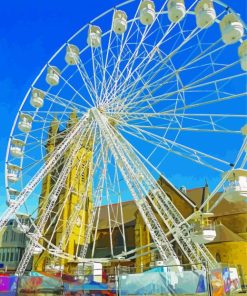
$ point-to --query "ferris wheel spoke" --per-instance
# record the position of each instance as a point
(75, 91)
(122, 47)
(199, 122)
(197, 102)
(150, 56)
(195, 32)
(101, 69)
(93, 59)
(105, 64)
(132, 58)
(218, 100)
(163, 64)
(174, 147)
(200, 56)
(192, 129)
(227, 78)
(131, 62)
(63, 102)
(86, 79)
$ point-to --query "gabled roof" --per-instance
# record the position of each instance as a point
(224, 208)
(197, 195)
(224, 234)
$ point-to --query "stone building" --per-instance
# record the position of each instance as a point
(13, 244)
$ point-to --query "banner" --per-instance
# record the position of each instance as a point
(8, 284)
(234, 279)
(39, 283)
(171, 283)
(217, 282)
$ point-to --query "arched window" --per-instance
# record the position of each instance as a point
(218, 258)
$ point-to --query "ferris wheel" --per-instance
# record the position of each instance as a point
(147, 89)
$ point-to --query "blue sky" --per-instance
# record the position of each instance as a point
(30, 32)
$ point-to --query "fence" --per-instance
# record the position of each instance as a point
(162, 280)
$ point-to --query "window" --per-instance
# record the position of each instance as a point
(12, 236)
(119, 240)
(3, 257)
(5, 236)
(218, 258)
(12, 256)
(7, 256)
(16, 254)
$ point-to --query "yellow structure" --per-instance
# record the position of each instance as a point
(74, 202)
(142, 238)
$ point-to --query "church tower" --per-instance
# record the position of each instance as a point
(72, 210)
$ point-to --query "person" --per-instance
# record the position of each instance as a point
(104, 276)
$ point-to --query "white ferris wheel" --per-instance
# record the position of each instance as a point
(145, 90)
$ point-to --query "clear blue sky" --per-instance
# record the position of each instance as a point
(30, 32)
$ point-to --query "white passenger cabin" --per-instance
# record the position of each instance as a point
(232, 29)
(11, 199)
(176, 10)
(119, 22)
(94, 36)
(147, 12)
(236, 188)
(242, 53)
(37, 250)
(25, 123)
(244, 130)
(205, 13)
(16, 148)
(13, 173)
(203, 236)
(53, 75)
(22, 223)
(72, 54)
(37, 98)
(203, 229)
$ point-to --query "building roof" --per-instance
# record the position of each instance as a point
(197, 195)
(224, 234)
(224, 208)
(128, 208)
